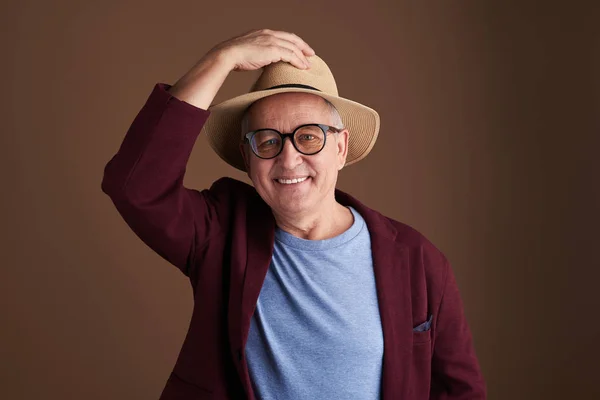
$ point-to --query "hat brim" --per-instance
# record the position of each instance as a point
(224, 124)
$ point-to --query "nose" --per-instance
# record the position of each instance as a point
(289, 158)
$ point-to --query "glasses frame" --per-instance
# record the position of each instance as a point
(325, 128)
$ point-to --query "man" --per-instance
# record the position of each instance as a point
(300, 291)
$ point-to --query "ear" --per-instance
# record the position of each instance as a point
(245, 156)
(342, 147)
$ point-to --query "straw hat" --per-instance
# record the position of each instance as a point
(224, 123)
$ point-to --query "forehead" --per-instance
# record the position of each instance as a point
(288, 109)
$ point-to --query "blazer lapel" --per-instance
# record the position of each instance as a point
(392, 280)
(237, 271)
(253, 241)
(261, 237)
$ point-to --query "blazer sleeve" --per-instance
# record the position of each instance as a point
(456, 373)
(144, 179)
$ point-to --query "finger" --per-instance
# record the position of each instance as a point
(291, 46)
(287, 55)
(297, 40)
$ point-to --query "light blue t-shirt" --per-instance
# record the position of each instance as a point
(316, 331)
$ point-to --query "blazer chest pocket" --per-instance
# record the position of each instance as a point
(422, 332)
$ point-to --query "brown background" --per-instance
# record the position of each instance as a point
(488, 146)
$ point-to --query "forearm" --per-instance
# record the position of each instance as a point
(200, 85)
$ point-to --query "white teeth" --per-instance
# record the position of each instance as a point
(290, 181)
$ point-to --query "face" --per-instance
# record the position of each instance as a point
(318, 173)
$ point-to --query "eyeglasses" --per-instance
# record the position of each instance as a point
(308, 139)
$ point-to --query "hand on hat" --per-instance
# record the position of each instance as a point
(256, 49)
(250, 51)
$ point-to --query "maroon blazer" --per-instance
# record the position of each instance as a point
(222, 239)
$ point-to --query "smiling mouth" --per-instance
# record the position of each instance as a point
(291, 181)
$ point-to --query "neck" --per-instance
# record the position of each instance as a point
(327, 222)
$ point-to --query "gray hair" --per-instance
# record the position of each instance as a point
(336, 119)
(335, 115)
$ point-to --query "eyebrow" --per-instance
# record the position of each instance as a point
(333, 128)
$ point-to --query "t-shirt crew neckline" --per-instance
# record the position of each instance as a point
(318, 245)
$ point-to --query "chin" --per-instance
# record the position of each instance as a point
(291, 204)
(289, 209)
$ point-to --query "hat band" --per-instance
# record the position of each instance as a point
(293, 85)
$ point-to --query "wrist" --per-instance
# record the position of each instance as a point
(222, 59)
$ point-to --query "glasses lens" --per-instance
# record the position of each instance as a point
(266, 143)
(309, 139)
